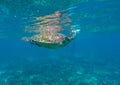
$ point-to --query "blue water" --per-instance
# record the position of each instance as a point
(92, 58)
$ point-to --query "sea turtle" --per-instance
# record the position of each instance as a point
(59, 40)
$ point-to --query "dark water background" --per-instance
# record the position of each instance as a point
(92, 58)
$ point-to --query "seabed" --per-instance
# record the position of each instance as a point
(59, 72)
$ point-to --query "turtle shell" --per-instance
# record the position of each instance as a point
(52, 45)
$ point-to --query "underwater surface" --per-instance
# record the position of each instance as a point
(92, 58)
